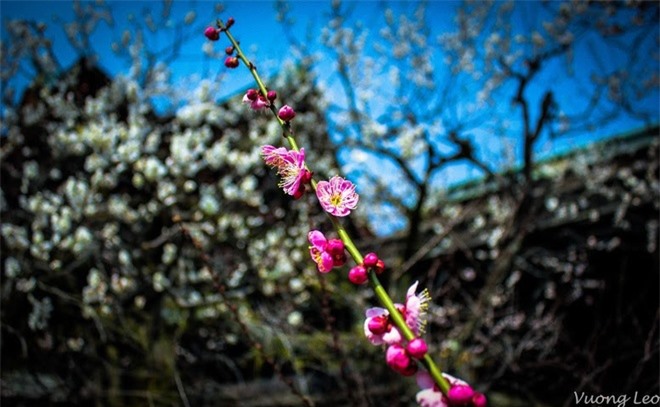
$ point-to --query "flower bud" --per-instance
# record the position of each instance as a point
(370, 260)
(211, 33)
(479, 400)
(230, 22)
(460, 394)
(271, 95)
(231, 62)
(286, 113)
(335, 247)
(377, 325)
(417, 348)
(251, 94)
(358, 275)
(229, 50)
(397, 358)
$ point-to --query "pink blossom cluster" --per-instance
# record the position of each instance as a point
(460, 393)
(379, 328)
(326, 253)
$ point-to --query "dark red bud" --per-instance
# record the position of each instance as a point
(230, 22)
(252, 94)
(272, 95)
(231, 62)
(211, 33)
(229, 50)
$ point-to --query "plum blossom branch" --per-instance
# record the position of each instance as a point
(397, 325)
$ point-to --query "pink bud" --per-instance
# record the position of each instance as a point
(286, 113)
(271, 95)
(251, 94)
(417, 348)
(335, 247)
(460, 394)
(479, 400)
(397, 358)
(229, 50)
(370, 260)
(211, 33)
(358, 275)
(231, 62)
(377, 325)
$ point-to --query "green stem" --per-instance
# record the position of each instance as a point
(378, 288)
(286, 127)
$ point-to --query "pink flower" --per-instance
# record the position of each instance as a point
(256, 100)
(460, 393)
(290, 165)
(286, 113)
(414, 313)
(337, 196)
(326, 253)
(415, 308)
(379, 329)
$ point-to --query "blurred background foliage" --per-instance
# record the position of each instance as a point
(148, 257)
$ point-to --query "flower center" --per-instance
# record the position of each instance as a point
(335, 199)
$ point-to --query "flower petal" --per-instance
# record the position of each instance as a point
(317, 239)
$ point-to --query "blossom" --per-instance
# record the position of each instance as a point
(256, 100)
(337, 196)
(286, 113)
(460, 393)
(379, 328)
(290, 165)
(415, 308)
(325, 253)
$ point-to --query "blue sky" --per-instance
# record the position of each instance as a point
(263, 40)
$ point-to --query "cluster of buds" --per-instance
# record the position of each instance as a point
(213, 33)
(402, 359)
(257, 100)
(359, 274)
(326, 253)
(460, 393)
